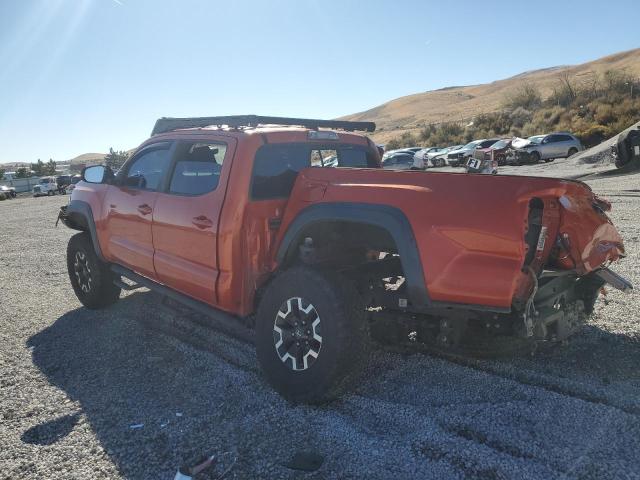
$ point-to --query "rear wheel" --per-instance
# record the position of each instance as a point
(91, 279)
(311, 334)
(51, 193)
(572, 151)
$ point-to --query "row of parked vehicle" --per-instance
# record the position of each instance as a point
(61, 184)
(495, 151)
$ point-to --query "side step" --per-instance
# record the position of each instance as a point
(223, 321)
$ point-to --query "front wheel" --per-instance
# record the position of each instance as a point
(91, 278)
(535, 157)
(311, 334)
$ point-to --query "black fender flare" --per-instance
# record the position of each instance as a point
(392, 219)
(79, 216)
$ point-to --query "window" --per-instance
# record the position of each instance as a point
(197, 169)
(276, 166)
(564, 138)
(147, 170)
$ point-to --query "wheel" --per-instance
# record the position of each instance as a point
(50, 193)
(535, 157)
(547, 160)
(439, 162)
(311, 334)
(572, 151)
(91, 279)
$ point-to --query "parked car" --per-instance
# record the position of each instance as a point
(399, 161)
(495, 152)
(410, 150)
(545, 147)
(46, 186)
(237, 224)
(439, 158)
(459, 157)
(8, 192)
(423, 153)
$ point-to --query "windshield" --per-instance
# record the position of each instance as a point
(500, 144)
(44, 180)
(536, 139)
(472, 144)
(75, 180)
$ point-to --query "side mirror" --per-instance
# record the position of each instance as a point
(97, 174)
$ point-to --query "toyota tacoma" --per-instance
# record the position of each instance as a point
(244, 218)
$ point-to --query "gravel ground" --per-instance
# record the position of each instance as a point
(73, 383)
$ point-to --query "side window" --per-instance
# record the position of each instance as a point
(564, 138)
(146, 170)
(275, 170)
(197, 169)
(552, 138)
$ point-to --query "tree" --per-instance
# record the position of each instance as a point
(38, 168)
(115, 159)
(526, 95)
(2, 170)
(50, 167)
(23, 172)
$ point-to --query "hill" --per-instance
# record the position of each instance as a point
(460, 104)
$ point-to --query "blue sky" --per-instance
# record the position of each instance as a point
(80, 76)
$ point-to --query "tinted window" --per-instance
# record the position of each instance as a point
(146, 170)
(276, 166)
(197, 168)
(564, 138)
(552, 138)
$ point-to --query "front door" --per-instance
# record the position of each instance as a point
(130, 205)
(185, 221)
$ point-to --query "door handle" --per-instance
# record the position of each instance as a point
(144, 209)
(202, 222)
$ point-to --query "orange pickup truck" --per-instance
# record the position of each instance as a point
(290, 231)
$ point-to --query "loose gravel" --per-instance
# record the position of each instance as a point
(103, 394)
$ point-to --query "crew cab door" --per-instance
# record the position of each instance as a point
(187, 211)
(130, 204)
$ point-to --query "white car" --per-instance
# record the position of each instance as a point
(46, 186)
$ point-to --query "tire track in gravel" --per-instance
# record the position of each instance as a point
(526, 378)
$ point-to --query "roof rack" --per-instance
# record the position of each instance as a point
(167, 124)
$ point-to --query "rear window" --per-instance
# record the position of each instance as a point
(276, 166)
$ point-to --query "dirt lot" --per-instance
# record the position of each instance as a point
(74, 382)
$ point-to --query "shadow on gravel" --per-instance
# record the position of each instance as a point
(50, 432)
(151, 408)
(155, 405)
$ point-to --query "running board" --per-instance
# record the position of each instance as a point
(615, 280)
(223, 321)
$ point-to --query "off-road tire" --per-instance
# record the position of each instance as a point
(100, 291)
(572, 151)
(343, 331)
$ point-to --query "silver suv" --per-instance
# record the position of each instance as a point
(553, 145)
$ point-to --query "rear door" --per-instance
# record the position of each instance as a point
(185, 222)
(130, 204)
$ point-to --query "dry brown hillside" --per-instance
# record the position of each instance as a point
(462, 103)
(87, 158)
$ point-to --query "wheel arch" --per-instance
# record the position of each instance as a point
(388, 219)
(79, 216)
